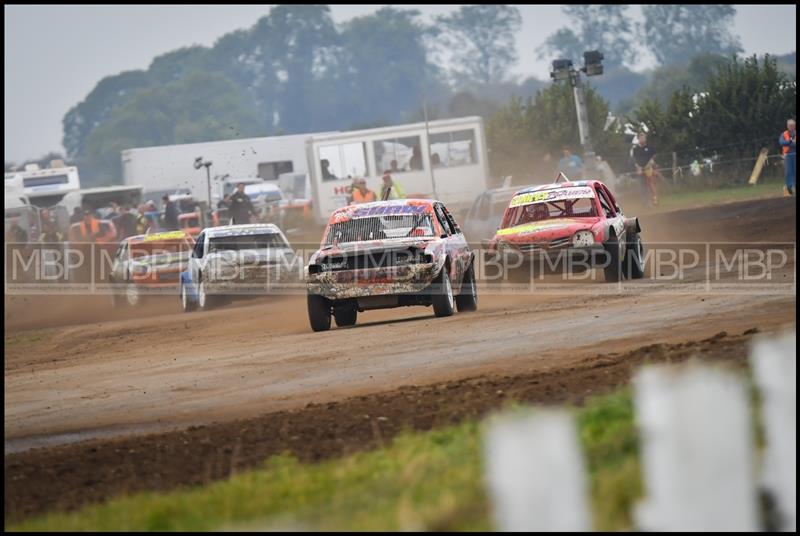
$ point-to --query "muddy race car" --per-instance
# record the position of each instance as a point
(237, 260)
(148, 264)
(389, 254)
(578, 222)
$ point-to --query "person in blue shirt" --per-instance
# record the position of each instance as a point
(570, 164)
(788, 141)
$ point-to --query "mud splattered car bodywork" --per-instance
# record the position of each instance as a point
(570, 220)
(389, 254)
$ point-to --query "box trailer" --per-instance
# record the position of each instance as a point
(171, 167)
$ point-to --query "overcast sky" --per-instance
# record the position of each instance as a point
(54, 55)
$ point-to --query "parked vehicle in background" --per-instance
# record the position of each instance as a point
(296, 206)
(446, 159)
(236, 260)
(100, 199)
(189, 222)
(486, 213)
(389, 254)
(567, 221)
(148, 264)
(266, 198)
(46, 187)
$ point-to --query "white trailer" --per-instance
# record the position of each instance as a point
(446, 159)
(45, 187)
(171, 167)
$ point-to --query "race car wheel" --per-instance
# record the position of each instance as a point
(187, 305)
(204, 301)
(132, 295)
(345, 316)
(613, 269)
(467, 300)
(634, 259)
(442, 299)
(319, 312)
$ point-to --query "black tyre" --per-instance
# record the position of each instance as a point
(187, 305)
(442, 296)
(319, 312)
(634, 259)
(613, 269)
(345, 316)
(467, 299)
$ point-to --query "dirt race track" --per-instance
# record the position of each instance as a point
(90, 373)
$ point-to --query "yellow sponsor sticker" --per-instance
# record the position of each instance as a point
(533, 227)
(169, 235)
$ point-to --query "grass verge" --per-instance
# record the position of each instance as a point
(420, 481)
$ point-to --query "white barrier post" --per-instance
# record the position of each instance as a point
(697, 450)
(535, 473)
(775, 370)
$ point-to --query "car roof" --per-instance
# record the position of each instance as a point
(244, 229)
(555, 185)
(344, 212)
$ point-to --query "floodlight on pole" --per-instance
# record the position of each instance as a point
(564, 70)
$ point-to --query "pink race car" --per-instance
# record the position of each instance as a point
(571, 221)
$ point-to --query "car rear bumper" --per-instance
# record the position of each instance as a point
(344, 284)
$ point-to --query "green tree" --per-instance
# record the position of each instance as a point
(110, 93)
(480, 42)
(386, 69)
(740, 109)
(599, 27)
(676, 33)
(199, 107)
(667, 79)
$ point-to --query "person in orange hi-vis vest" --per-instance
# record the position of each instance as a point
(362, 194)
(90, 230)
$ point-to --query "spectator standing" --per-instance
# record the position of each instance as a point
(644, 158)
(362, 194)
(570, 164)
(241, 207)
(89, 230)
(395, 191)
(77, 215)
(15, 233)
(788, 141)
(126, 223)
(142, 222)
(50, 233)
(170, 214)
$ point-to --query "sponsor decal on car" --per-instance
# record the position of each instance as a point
(169, 235)
(583, 192)
(534, 227)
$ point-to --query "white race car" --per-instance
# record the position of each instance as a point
(237, 260)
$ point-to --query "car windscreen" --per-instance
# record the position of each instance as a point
(380, 228)
(549, 210)
(246, 242)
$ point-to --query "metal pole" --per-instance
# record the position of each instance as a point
(428, 142)
(208, 184)
(583, 121)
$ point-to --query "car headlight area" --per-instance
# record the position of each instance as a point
(583, 239)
